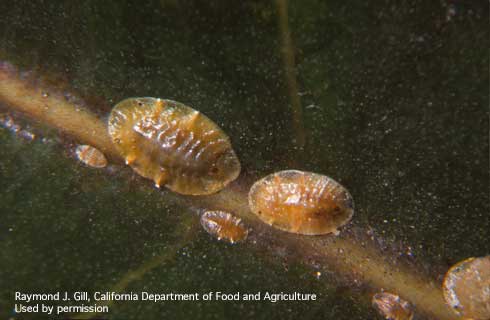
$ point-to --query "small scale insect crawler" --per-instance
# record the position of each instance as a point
(392, 307)
(91, 156)
(466, 288)
(173, 145)
(224, 226)
(301, 202)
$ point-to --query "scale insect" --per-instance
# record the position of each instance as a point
(174, 145)
(301, 202)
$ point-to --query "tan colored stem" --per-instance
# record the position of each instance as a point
(349, 257)
(52, 108)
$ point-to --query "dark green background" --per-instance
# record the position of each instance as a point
(395, 98)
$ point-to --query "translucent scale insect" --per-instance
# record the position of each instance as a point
(392, 307)
(466, 288)
(174, 145)
(301, 202)
(91, 156)
(224, 226)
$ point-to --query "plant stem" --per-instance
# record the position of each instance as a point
(349, 256)
(288, 58)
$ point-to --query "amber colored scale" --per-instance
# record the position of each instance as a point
(91, 156)
(392, 307)
(224, 226)
(466, 288)
(301, 202)
(174, 145)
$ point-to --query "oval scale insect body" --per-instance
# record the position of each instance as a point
(466, 288)
(224, 225)
(392, 307)
(91, 156)
(173, 144)
(301, 202)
